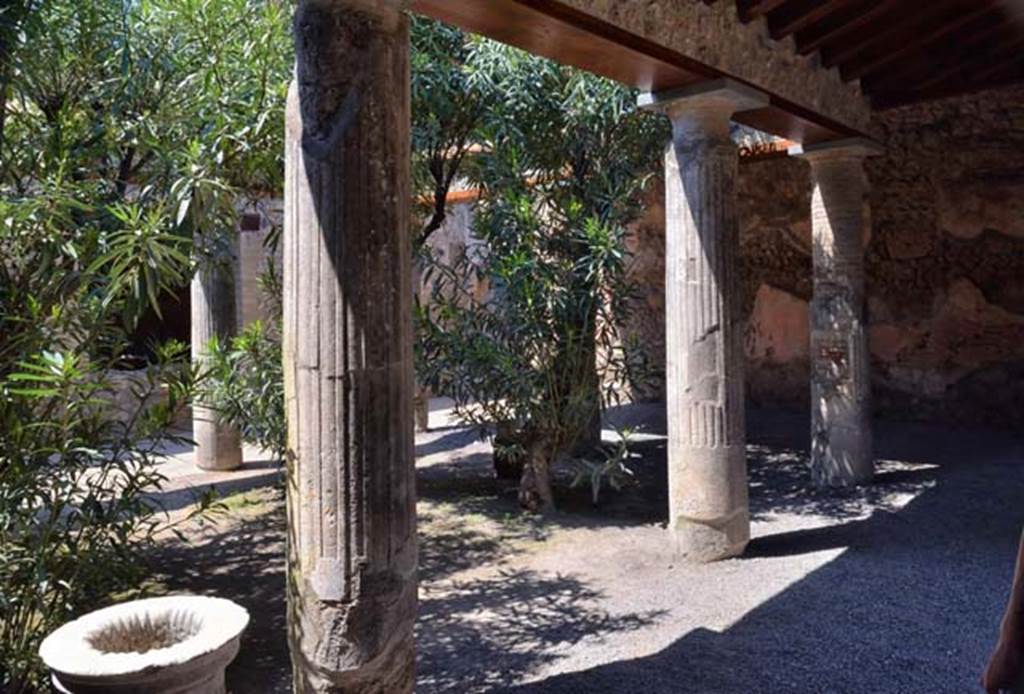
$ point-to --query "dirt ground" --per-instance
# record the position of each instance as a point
(895, 588)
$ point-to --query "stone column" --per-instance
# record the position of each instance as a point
(841, 442)
(348, 350)
(214, 315)
(708, 506)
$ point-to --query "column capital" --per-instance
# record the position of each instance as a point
(702, 111)
(729, 93)
(849, 148)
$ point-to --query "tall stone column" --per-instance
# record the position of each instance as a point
(213, 315)
(348, 350)
(841, 441)
(707, 469)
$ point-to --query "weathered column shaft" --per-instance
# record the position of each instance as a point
(348, 350)
(841, 441)
(213, 315)
(708, 503)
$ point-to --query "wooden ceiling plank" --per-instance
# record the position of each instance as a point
(842, 23)
(1002, 59)
(793, 18)
(979, 51)
(749, 10)
(866, 64)
(939, 62)
(893, 29)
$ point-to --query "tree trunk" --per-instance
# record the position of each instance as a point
(579, 368)
(507, 465)
(3, 101)
(535, 486)
(589, 437)
(421, 407)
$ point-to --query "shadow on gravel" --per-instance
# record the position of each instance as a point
(483, 633)
(454, 438)
(910, 604)
(243, 561)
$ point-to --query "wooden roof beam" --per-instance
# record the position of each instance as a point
(558, 31)
(998, 61)
(940, 63)
(749, 10)
(887, 100)
(842, 23)
(792, 18)
(894, 31)
(939, 29)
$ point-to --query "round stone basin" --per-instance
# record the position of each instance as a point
(170, 645)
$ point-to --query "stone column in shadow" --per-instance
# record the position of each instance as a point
(348, 350)
(841, 440)
(214, 315)
(708, 499)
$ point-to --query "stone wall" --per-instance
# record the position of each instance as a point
(714, 35)
(945, 266)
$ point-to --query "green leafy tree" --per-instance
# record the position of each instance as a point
(448, 107)
(78, 449)
(127, 127)
(564, 160)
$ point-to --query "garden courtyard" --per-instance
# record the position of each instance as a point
(891, 588)
(561, 346)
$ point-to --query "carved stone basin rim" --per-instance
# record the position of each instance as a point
(143, 635)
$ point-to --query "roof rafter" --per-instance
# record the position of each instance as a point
(937, 29)
(750, 10)
(794, 17)
(940, 62)
(896, 25)
(1003, 58)
(814, 37)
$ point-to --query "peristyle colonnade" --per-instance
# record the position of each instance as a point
(348, 337)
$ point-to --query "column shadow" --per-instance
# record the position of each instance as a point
(910, 604)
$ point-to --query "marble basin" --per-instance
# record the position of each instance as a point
(169, 645)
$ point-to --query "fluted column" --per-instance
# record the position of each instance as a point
(213, 315)
(708, 504)
(348, 350)
(841, 440)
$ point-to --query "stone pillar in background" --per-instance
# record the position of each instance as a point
(708, 504)
(214, 314)
(841, 441)
(348, 350)
(249, 268)
(421, 407)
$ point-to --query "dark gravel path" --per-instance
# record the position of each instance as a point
(897, 588)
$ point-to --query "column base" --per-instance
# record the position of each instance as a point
(393, 672)
(218, 448)
(706, 541)
(841, 458)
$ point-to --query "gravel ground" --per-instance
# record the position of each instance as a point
(895, 588)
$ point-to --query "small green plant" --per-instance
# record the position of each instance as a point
(614, 468)
(245, 387)
(79, 483)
